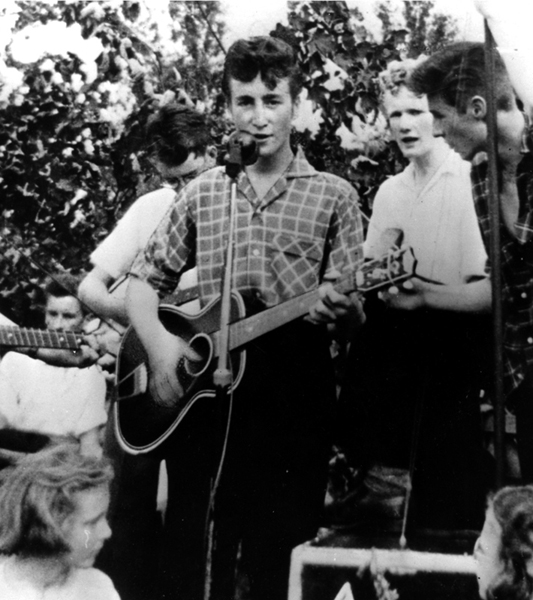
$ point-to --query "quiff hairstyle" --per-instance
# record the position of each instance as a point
(457, 73)
(38, 494)
(513, 509)
(397, 74)
(175, 131)
(395, 77)
(271, 58)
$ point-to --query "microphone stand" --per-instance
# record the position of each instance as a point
(222, 376)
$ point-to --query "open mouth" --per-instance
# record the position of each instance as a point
(409, 140)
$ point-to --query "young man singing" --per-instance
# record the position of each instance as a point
(411, 376)
(295, 228)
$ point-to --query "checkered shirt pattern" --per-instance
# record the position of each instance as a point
(307, 224)
(516, 262)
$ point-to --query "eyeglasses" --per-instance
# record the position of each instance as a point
(173, 181)
(182, 180)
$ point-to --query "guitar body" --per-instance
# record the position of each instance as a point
(141, 424)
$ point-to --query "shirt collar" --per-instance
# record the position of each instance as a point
(300, 167)
(448, 165)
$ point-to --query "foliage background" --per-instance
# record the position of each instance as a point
(71, 128)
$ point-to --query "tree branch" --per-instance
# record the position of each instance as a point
(208, 23)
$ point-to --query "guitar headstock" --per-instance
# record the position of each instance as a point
(384, 271)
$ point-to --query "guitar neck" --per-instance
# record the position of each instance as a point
(372, 275)
(38, 338)
(248, 329)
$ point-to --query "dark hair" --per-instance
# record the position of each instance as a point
(513, 509)
(175, 131)
(61, 285)
(38, 494)
(269, 57)
(457, 73)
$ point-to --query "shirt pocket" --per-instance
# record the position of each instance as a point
(295, 262)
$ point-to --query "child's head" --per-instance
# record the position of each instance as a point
(62, 308)
(504, 550)
(271, 58)
(53, 504)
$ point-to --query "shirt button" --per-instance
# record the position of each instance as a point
(255, 252)
(523, 295)
(530, 340)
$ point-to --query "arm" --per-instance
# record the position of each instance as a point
(475, 297)
(343, 314)
(94, 292)
(86, 356)
(90, 443)
(510, 24)
(164, 350)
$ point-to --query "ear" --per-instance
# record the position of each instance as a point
(477, 107)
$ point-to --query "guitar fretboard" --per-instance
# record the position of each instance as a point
(38, 338)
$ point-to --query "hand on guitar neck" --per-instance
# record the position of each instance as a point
(342, 312)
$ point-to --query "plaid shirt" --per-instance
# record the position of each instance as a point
(306, 224)
(516, 261)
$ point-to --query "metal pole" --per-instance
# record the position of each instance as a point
(495, 258)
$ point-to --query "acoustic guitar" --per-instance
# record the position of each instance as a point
(142, 424)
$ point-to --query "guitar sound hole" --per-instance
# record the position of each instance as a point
(202, 345)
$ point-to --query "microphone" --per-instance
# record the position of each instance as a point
(242, 150)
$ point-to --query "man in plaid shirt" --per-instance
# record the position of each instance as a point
(295, 229)
(454, 80)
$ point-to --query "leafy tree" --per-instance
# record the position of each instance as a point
(71, 132)
(429, 30)
(340, 62)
